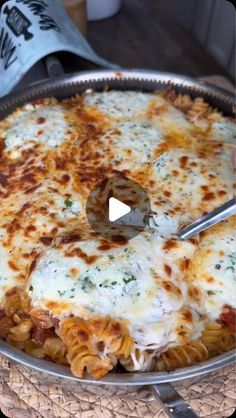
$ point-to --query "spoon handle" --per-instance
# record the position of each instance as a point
(174, 404)
(212, 218)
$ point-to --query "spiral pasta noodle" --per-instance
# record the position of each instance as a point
(215, 340)
(218, 339)
(55, 349)
(198, 110)
(183, 102)
(20, 333)
(182, 356)
(211, 336)
(12, 302)
(30, 329)
(198, 114)
(94, 345)
(30, 347)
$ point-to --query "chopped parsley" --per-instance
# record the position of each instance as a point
(107, 284)
(68, 203)
(129, 278)
(87, 284)
(167, 176)
(232, 261)
(61, 293)
(31, 288)
(111, 257)
(214, 292)
(89, 308)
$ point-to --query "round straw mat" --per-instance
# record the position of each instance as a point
(25, 393)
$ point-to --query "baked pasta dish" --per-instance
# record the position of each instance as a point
(151, 303)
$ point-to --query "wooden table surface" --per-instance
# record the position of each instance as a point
(144, 34)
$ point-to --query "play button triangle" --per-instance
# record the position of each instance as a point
(117, 209)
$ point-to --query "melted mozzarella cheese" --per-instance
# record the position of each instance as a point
(167, 118)
(223, 130)
(139, 282)
(213, 270)
(163, 221)
(30, 125)
(119, 105)
(7, 275)
(132, 143)
(44, 216)
(187, 183)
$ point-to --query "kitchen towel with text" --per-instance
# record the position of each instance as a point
(33, 29)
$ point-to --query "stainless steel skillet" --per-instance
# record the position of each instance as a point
(66, 86)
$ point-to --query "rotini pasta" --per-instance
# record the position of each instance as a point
(55, 350)
(32, 348)
(211, 336)
(215, 340)
(94, 345)
(199, 109)
(98, 344)
(12, 301)
(183, 102)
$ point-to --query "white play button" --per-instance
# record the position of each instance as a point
(117, 209)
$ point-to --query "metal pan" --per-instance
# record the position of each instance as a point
(72, 84)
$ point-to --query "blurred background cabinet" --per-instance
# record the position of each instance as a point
(213, 24)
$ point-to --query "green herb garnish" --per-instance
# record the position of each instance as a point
(87, 284)
(129, 278)
(61, 293)
(214, 292)
(68, 203)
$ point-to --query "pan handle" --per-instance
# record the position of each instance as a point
(174, 404)
(53, 66)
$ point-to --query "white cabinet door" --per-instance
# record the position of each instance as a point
(213, 24)
(202, 19)
(221, 34)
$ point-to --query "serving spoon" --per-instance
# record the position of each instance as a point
(208, 220)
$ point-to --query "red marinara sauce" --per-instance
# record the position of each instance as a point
(228, 317)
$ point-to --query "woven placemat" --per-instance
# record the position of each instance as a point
(28, 394)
